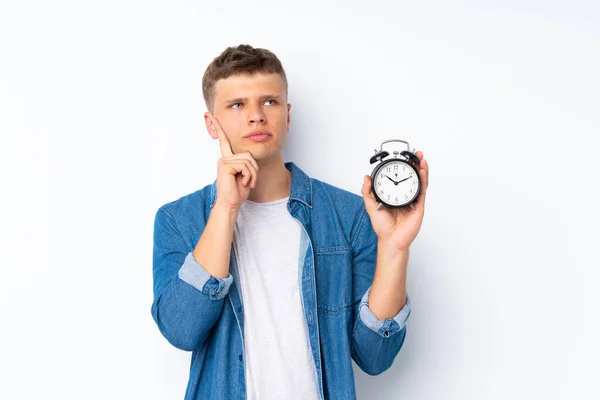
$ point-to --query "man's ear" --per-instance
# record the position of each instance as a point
(208, 120)
(289, 118)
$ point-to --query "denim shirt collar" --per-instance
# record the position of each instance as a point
(300, 187)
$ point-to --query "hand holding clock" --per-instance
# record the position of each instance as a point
(397, 227)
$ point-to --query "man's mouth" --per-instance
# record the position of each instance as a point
(258, 136)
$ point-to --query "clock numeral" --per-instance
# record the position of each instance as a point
(397, 199)
(379, 183)
(396, 167)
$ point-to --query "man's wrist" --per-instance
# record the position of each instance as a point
(388, 250)
(226, 208)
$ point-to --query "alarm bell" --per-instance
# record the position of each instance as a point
(395, 181)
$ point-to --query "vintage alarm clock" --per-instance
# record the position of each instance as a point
(395, 181)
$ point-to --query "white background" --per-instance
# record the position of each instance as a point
(101, 123)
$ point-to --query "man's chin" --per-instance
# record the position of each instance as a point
(265, 155)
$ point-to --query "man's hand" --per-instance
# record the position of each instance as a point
(236, 173)
(396, 228)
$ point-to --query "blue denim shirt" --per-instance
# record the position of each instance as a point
(201, 313)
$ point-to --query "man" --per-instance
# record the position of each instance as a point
(274, 280)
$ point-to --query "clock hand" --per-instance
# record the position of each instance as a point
(395, 183)
(404, 179)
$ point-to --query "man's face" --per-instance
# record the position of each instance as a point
(244, 104)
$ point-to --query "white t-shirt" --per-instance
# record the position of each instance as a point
(278, 359)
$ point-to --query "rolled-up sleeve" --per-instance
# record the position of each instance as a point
(387, 327)
(194, 274)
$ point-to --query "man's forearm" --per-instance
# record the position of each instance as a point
(214, 246)
(388, 290)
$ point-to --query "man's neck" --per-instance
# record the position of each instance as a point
(273, 182)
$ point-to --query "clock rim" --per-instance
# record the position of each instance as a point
(383, 163)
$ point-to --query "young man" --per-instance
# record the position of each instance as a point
(274, 280)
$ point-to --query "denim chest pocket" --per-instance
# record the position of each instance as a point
(333, 272)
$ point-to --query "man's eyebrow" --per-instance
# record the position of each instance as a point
(240, 99)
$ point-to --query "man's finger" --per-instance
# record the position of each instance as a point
(368, 197)
(245, 157)
(223, 141)
(239, 164)
(420, 202)
(422, 161)
(425, 174)
(248, 156)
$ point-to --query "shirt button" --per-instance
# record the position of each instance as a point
(240, 357)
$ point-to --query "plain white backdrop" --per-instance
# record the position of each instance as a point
(101, 122)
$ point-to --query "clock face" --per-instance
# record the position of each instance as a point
(396, 183)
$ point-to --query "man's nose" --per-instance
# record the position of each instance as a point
(257, 114)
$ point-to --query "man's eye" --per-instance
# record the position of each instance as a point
(234, 104)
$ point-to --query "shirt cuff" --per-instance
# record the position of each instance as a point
(194, 274)
(387, 327)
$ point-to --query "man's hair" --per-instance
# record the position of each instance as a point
(243, 59)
